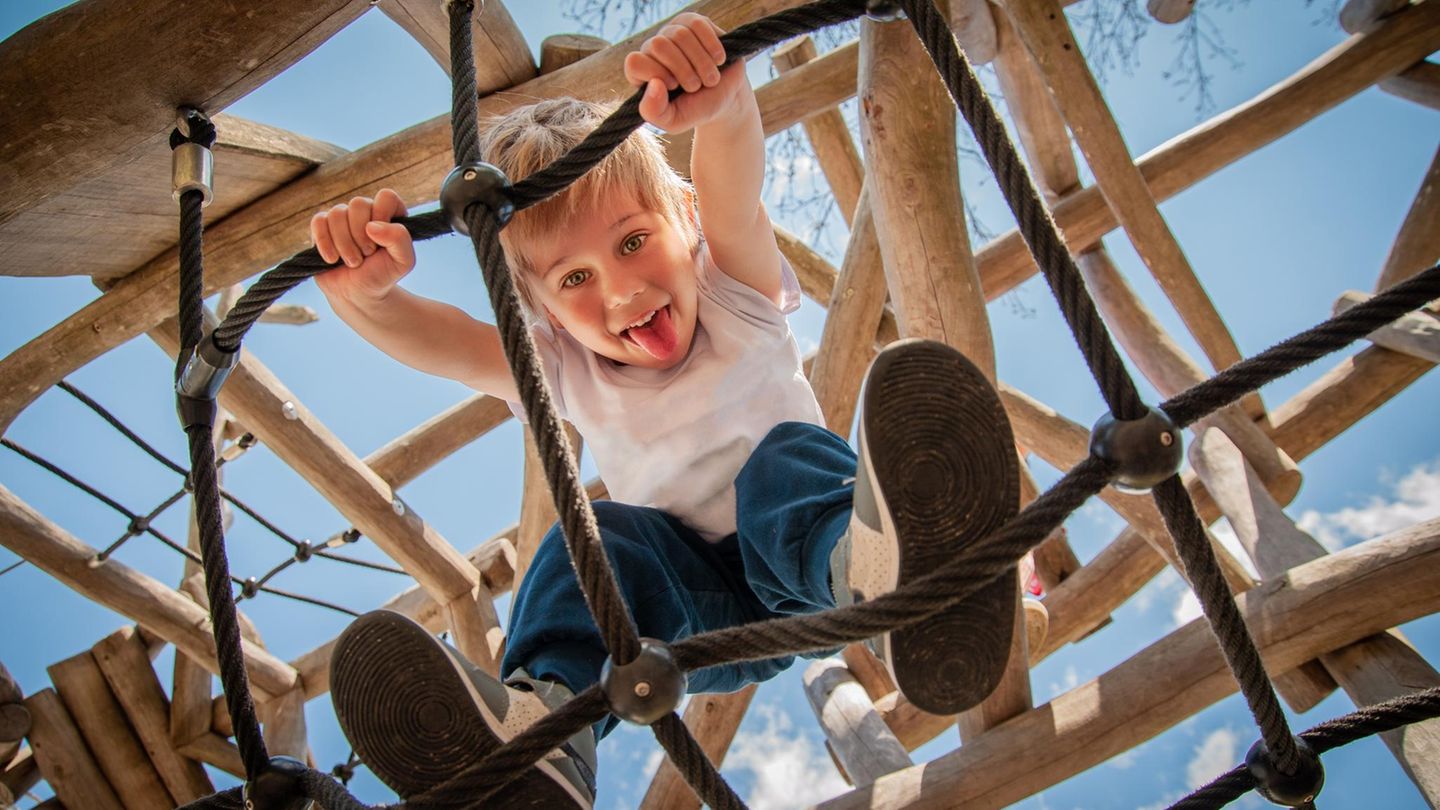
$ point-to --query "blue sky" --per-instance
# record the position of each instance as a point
(1274, 238)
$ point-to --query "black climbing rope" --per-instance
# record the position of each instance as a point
(979, 562)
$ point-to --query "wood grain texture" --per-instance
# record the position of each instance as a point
(1417, 245)
(65, 761)
(502, 56)
(860, 740)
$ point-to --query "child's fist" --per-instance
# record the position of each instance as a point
(375, 252)
(687, 54)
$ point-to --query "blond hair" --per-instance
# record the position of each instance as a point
(527, 139)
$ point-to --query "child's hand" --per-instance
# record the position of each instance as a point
(376, 252)
(686, 53)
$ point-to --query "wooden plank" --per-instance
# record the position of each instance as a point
(101, 721)
(128, 592)
(1319, 606)
(828, 134)
(1417, 245)
(502, 56)
(64, 759)
(713, 721)
(859, 739)
(122, 659)
(214, 749)
(276, 226)
(1414, 333)
(1371, 670)
(1047, 35)
(1350, 67)
(82, 79)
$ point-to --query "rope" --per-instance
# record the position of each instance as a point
(977, 564)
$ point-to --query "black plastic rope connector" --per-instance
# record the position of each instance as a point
(472, 183)
(647, 688)
(884, 10)
(277, 787)
(1288, 789)
(1144, 451)
(205, 372)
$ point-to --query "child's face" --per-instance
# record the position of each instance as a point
(620, 279)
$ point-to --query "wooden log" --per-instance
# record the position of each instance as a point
(276, 226)
(809, 89)
(64, 759)
(1319, 606)
(96, 62)
(537, 505)
(1419, 83)
(128, 592)
(14, 717)
(713, 721)
(1359, 16)
(868, 670)
(855, 307)
(502, 56)
(20, 774)
(1170, 11)
(1414, 333)
(1417, 245)
(859, 739)
(829, 136)
(405, 457)
(1367, 669)
(1042, 132)
(561, 50)
(213, 749)
(1350, 67)
(122, 659)
(284, 719)
(973, 25)
(1047, 35)
(1171, 370)
(475, 629)
(100, 719)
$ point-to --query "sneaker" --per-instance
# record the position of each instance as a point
(937, 469)
(418, 714)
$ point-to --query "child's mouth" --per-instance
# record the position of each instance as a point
(655, 333)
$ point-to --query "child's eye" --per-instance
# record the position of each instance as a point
(632, 243)
(574, 278)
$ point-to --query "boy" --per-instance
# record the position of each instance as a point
(670, 353)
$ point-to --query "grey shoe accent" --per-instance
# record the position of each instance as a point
(840, 572)
(581, 747)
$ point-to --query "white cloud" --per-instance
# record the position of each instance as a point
(1414, 498)
(790, 770)
(1225, 533)
(1213, 757)
(1187, 608)
(652, 764)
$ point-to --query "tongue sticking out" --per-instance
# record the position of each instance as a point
(658, 337)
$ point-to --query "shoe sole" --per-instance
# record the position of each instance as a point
(941, 459)
(417, 720)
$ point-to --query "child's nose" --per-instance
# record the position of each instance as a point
(623, 288)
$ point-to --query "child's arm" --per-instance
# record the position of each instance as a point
(420, 332)
(727, 162)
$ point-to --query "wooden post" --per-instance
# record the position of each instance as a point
(285, 726)
(1318, 606)
(973, 25)
(829, 136)
(14, 717)
(1042, 131)
(122, 659)
(1368, 669)
(101, 721)
(537, 506)
(1417, 246)
(713, 721)
(1043, 29)
(65, 761)
(19, 774)
(859, 739)
(1414, 333)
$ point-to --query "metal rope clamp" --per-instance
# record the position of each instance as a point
(647, 688)
(199, 384)
(1145, 451)
(192, 167)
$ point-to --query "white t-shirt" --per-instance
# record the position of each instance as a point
(676, 438)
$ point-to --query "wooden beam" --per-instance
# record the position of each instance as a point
(1350, 67)
(1358, 16)
(502, 56)
(65, 761)
(1414, 333)
(82, 95)
(276, 226)
(828, 134)
(122, 659)
(19, 774)
(1047, 35)
(284, 719)
(1042, 132)
(860, 740)
(1316, 607)
(14, 717)
(1417, 245)
(1367, 669)
(128, 592)
(810, 89)
(1419, 83)
(973, 25)
(213, 749)
(537, 505)
(101, 720)
(405, 457)
(713, 721)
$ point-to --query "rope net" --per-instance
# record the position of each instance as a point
(978, 563)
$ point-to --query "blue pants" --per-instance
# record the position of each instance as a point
(793, 501)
